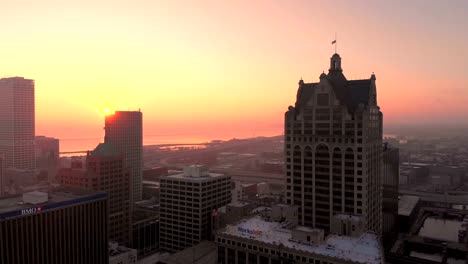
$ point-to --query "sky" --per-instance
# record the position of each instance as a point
(223, 69)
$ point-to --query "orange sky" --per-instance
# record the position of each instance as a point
(223, 69)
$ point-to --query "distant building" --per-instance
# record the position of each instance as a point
(145, 227)
(277, 239)
(17, 125)
(390, 179)
(243, 191)
(433, 235)
(63, 226)
(124, 129)
(121, 255)
(188, 204)
(106, 171)
(333, 150)
(436, 175)
(47, 151)
(441, 175)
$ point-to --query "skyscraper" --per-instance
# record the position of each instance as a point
(333, 150)
(187, 203)
(68, 225)
(105, 171)
(17, 123)
(390, 178)
(124, 130)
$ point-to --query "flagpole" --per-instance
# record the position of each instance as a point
(336, 44)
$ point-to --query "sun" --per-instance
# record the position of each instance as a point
(107, 111)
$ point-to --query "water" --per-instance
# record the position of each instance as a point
(71, 145)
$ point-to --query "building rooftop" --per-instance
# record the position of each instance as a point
(350, 92)
(203, 253)
(363, 249)
(185, 177)
(238, 204)
(115, 249)
(105, 150)
(15, 206)
(152, 183)
(406, 204)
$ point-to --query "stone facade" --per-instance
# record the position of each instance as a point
(333, 150)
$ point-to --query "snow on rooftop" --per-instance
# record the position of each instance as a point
(238, 204)
(364, 249)
(306, 229)
(261, 209)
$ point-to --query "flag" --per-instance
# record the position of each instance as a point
(333, 42)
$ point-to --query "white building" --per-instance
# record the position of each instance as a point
(271, 240)
(189, 203)
(124, 129)
(17, 122)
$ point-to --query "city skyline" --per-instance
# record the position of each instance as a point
(198, 70)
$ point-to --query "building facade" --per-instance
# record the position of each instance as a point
(17, 123)
(145, 226)
(62, 226)
(105, 171)
(188, 201)
(124, 129)
(47, 151)
(390, 178)
(333, 150)
(276, 239)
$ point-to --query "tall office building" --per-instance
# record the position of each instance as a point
(333, 150)
(17, 123)
(124, 129)
(390, 182)
(105, 171)
(63, 226)
(187, 204)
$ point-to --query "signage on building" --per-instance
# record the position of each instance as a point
(249, 231)
(31, 210)
(47, 207)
